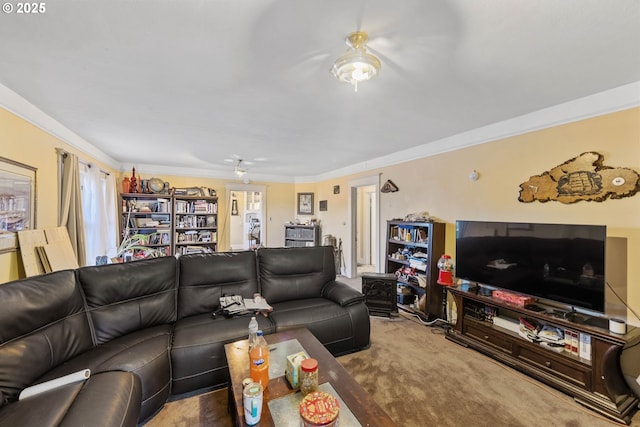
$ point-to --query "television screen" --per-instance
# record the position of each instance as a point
(557, 262)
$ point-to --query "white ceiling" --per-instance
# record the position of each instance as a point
(182, 85)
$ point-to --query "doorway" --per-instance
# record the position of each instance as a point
(364, 226)
(366, 221)
(246, 215)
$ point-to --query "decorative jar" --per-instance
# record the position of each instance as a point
(308, 376)
(319, 409)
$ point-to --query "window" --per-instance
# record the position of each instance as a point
(98, 209)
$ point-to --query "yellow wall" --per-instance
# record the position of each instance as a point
(25, 143)
(441, 186)
(437, 184)
(278, 208)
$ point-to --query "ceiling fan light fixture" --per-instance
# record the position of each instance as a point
(356, 65)
(239, 170)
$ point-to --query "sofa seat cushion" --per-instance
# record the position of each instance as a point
(105, 399)
(197, 353)
(333, 325)
(144, 352)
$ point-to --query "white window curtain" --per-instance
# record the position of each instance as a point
(98, 208)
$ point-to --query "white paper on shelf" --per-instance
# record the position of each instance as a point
(55, 383)
(585, 346)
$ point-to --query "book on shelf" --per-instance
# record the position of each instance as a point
(195, 236)
(585, 346)
(196, 206)
(185, 250)
(195, 221)
(530, 325)
(163, 205)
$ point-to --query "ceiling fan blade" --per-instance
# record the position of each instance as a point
(388, 62)
(360, 14)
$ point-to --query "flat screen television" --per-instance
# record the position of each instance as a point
(556, 262)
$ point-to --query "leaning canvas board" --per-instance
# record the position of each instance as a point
(50, 247)
(65, 257)
(58, 259)
(29, 240)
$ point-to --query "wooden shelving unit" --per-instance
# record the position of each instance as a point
(412, 252)
(147, 221)
(165, 224)
(196, 224)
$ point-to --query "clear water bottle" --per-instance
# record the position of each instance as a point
(253, 332)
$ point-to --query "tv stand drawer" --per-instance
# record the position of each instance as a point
(568, 370)
(487, 335)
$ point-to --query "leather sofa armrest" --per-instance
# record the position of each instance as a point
(341, 293)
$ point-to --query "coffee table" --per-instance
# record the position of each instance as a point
(359, 402)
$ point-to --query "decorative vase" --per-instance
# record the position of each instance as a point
(126, 184)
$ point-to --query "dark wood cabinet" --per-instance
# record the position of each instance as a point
(412, 252)
(593, 376)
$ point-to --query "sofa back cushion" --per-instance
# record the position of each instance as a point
(123, 298)
(204, 278)
(43, 322)
(295, 273)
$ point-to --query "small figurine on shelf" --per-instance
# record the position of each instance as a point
(133, 183)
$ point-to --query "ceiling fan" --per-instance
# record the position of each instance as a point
(410, 40)
(240, 168)
(356, 64)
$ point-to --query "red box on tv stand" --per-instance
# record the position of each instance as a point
(513, 298)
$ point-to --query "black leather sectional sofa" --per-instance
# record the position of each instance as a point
(146, 331)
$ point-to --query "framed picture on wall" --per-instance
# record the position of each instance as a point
(17, 201)
(305, 203)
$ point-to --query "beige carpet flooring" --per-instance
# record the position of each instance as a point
(421, 379)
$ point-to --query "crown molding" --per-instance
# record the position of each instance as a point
(606, 102)
(16, 104)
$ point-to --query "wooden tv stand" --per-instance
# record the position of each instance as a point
(597, 383)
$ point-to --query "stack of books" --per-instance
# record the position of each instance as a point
(546, 335)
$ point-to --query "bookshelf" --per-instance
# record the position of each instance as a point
(413, 250)
(153, 225)
(301, 235)
(145, 225)
(196, 224)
